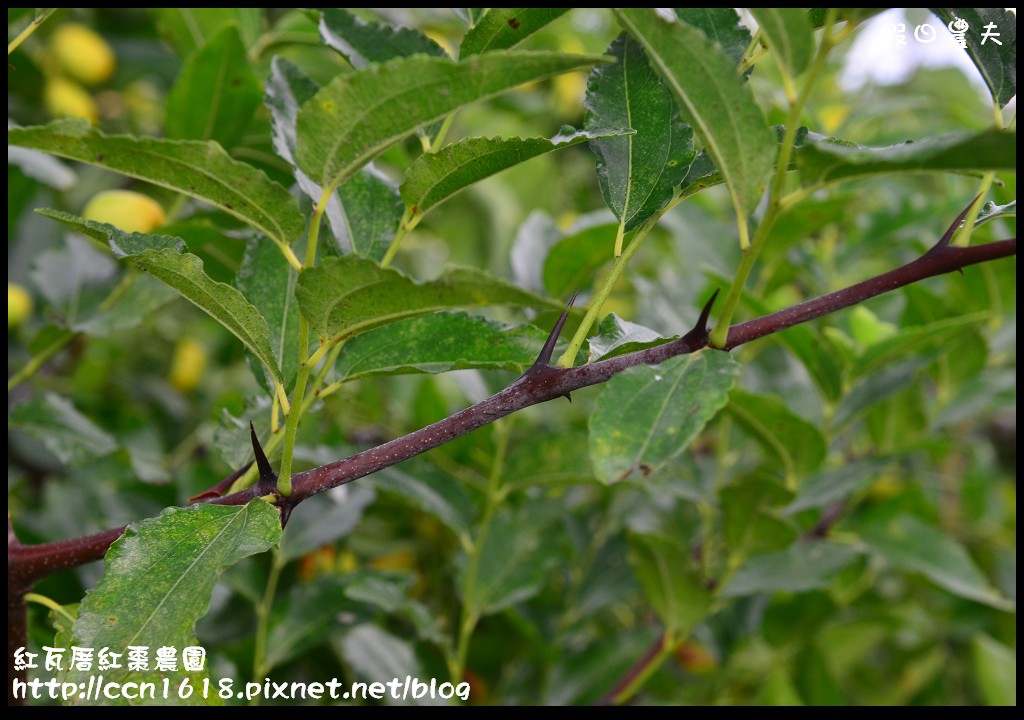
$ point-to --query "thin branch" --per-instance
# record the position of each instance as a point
(541, 383)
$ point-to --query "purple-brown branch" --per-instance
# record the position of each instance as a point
(26, 564)
(540, 383)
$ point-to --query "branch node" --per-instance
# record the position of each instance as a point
(698, 335)
(544, 359)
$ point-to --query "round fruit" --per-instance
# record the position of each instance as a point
(66, 98)
(82, 54)
(126, 210)
(19, 305)
(187, 365)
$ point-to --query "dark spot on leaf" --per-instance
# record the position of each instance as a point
(514, 24)
(99, 157)
(625, 475)
(645, 469)
(229, 206)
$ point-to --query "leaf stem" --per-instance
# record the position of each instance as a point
(659, 651)
(284, 480)
(495, 494)
(568, 358)
(39, 359)
(407, 223)
(47, 602)
(32, 27)
(259, 659)
(750, 250)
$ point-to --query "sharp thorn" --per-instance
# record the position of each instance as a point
(568, 397)
(267, 475)
(222, 487)
(945, 239)
(549, 345)
(698, 335)
(286, 513)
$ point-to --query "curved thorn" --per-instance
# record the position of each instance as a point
(266, 472)
(549, 345)
(286, 512)
(944, 240)
(223, 486)
(698, 335)
(705, 313)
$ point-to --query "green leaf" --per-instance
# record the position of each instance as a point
(163, 257)
(801, 567)
(323, 519)
(342, 297)
(216, 92)
(646, 416)
(879, 387)
(828, 486)
(268, 282)
(438, 343)
(308, 615)
(672, 588)
(721, 26)
(425, 487)
(355, 117)
(188, 29)
(65, 432)
(713, 99)
(107, 235)
(573, 261)
(995, 671)
(798, 444)
(749, 524)
(142, 297)
(789, 36)
(232, 438)
(502, 28)
(435, 177)
(638, 174)
(288, 89)
(997, 63)
(811, 347)
(516, 554)
(912, 545)
(616, 336)
(184, 273)
(372, 210)
(910, 340)
(374, 653)
(157, 582)
(363, 42)
(198, 169)
(824, 160)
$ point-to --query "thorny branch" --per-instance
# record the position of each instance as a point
(540, 383)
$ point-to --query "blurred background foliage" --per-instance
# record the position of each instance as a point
(925, 428)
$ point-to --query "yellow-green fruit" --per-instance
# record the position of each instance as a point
(19, 305)
(126, 210)
(82, 54)
(187, 365)
(66, 98)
